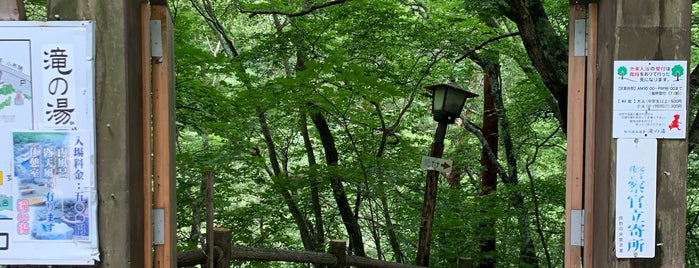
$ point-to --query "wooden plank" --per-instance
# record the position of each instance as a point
(147, 136)
(603, 153)
(118, 125)
(590, 113)
(576, 133)
(164, 138)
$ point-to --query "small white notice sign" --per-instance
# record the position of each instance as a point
(634, 232)
(438, 164)
(650, 99)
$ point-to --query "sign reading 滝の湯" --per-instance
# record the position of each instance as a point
(650, 99)
(48, 193)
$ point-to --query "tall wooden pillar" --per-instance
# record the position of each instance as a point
(575, 132)
(164, 137)
(638, 30)
(118, 124)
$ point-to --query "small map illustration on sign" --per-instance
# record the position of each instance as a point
(15, 81)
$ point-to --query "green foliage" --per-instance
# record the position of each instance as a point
(36, 9)
(362, 65)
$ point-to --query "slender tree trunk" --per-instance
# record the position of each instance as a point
(277, 176)
(375, 233)
(537, 211)
(210, 219)
(489, 174)
(331, 156)
(527, 248)
(390, 229)
(195, 231)
(315, 195)
(392, 238)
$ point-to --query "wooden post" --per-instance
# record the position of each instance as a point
(147, 137)
(222, 242)
(118, 124)
(576, 135)
(430, 199)
(164, 137)
(639, 30)
(590, 137)
(339, 250)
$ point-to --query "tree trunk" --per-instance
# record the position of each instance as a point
(527, 248)
(331, 156)
(489, 173)
(288, 199)
(546, 49)
(392, 238)
(315, 195)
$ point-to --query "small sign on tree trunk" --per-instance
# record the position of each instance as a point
(438, 164)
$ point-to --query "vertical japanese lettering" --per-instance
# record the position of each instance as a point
(59, 84)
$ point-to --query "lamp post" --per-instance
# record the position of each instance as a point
(447, 102)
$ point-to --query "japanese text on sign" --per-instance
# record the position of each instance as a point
(59, 84)
(650, 99)
(635, 198)
(48, 193)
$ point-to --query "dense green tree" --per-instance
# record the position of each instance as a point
(313, 118)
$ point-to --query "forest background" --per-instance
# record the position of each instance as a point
(312, 117)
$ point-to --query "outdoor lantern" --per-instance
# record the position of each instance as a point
(447, 101)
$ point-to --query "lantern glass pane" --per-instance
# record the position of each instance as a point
(438, 99)
(455, 102)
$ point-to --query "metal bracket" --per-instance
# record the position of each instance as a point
(156, 39)
(580, 38)
(159, 226)
(577, 227)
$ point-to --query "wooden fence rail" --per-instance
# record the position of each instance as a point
(334, 258)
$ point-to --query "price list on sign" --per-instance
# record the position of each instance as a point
(650, 99)
(634, 232)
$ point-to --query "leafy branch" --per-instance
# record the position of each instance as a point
(484, 44)
(305, 11)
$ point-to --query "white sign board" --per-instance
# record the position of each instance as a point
(438, 164)
(48, 197)
(650, 99)
(635, 198)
